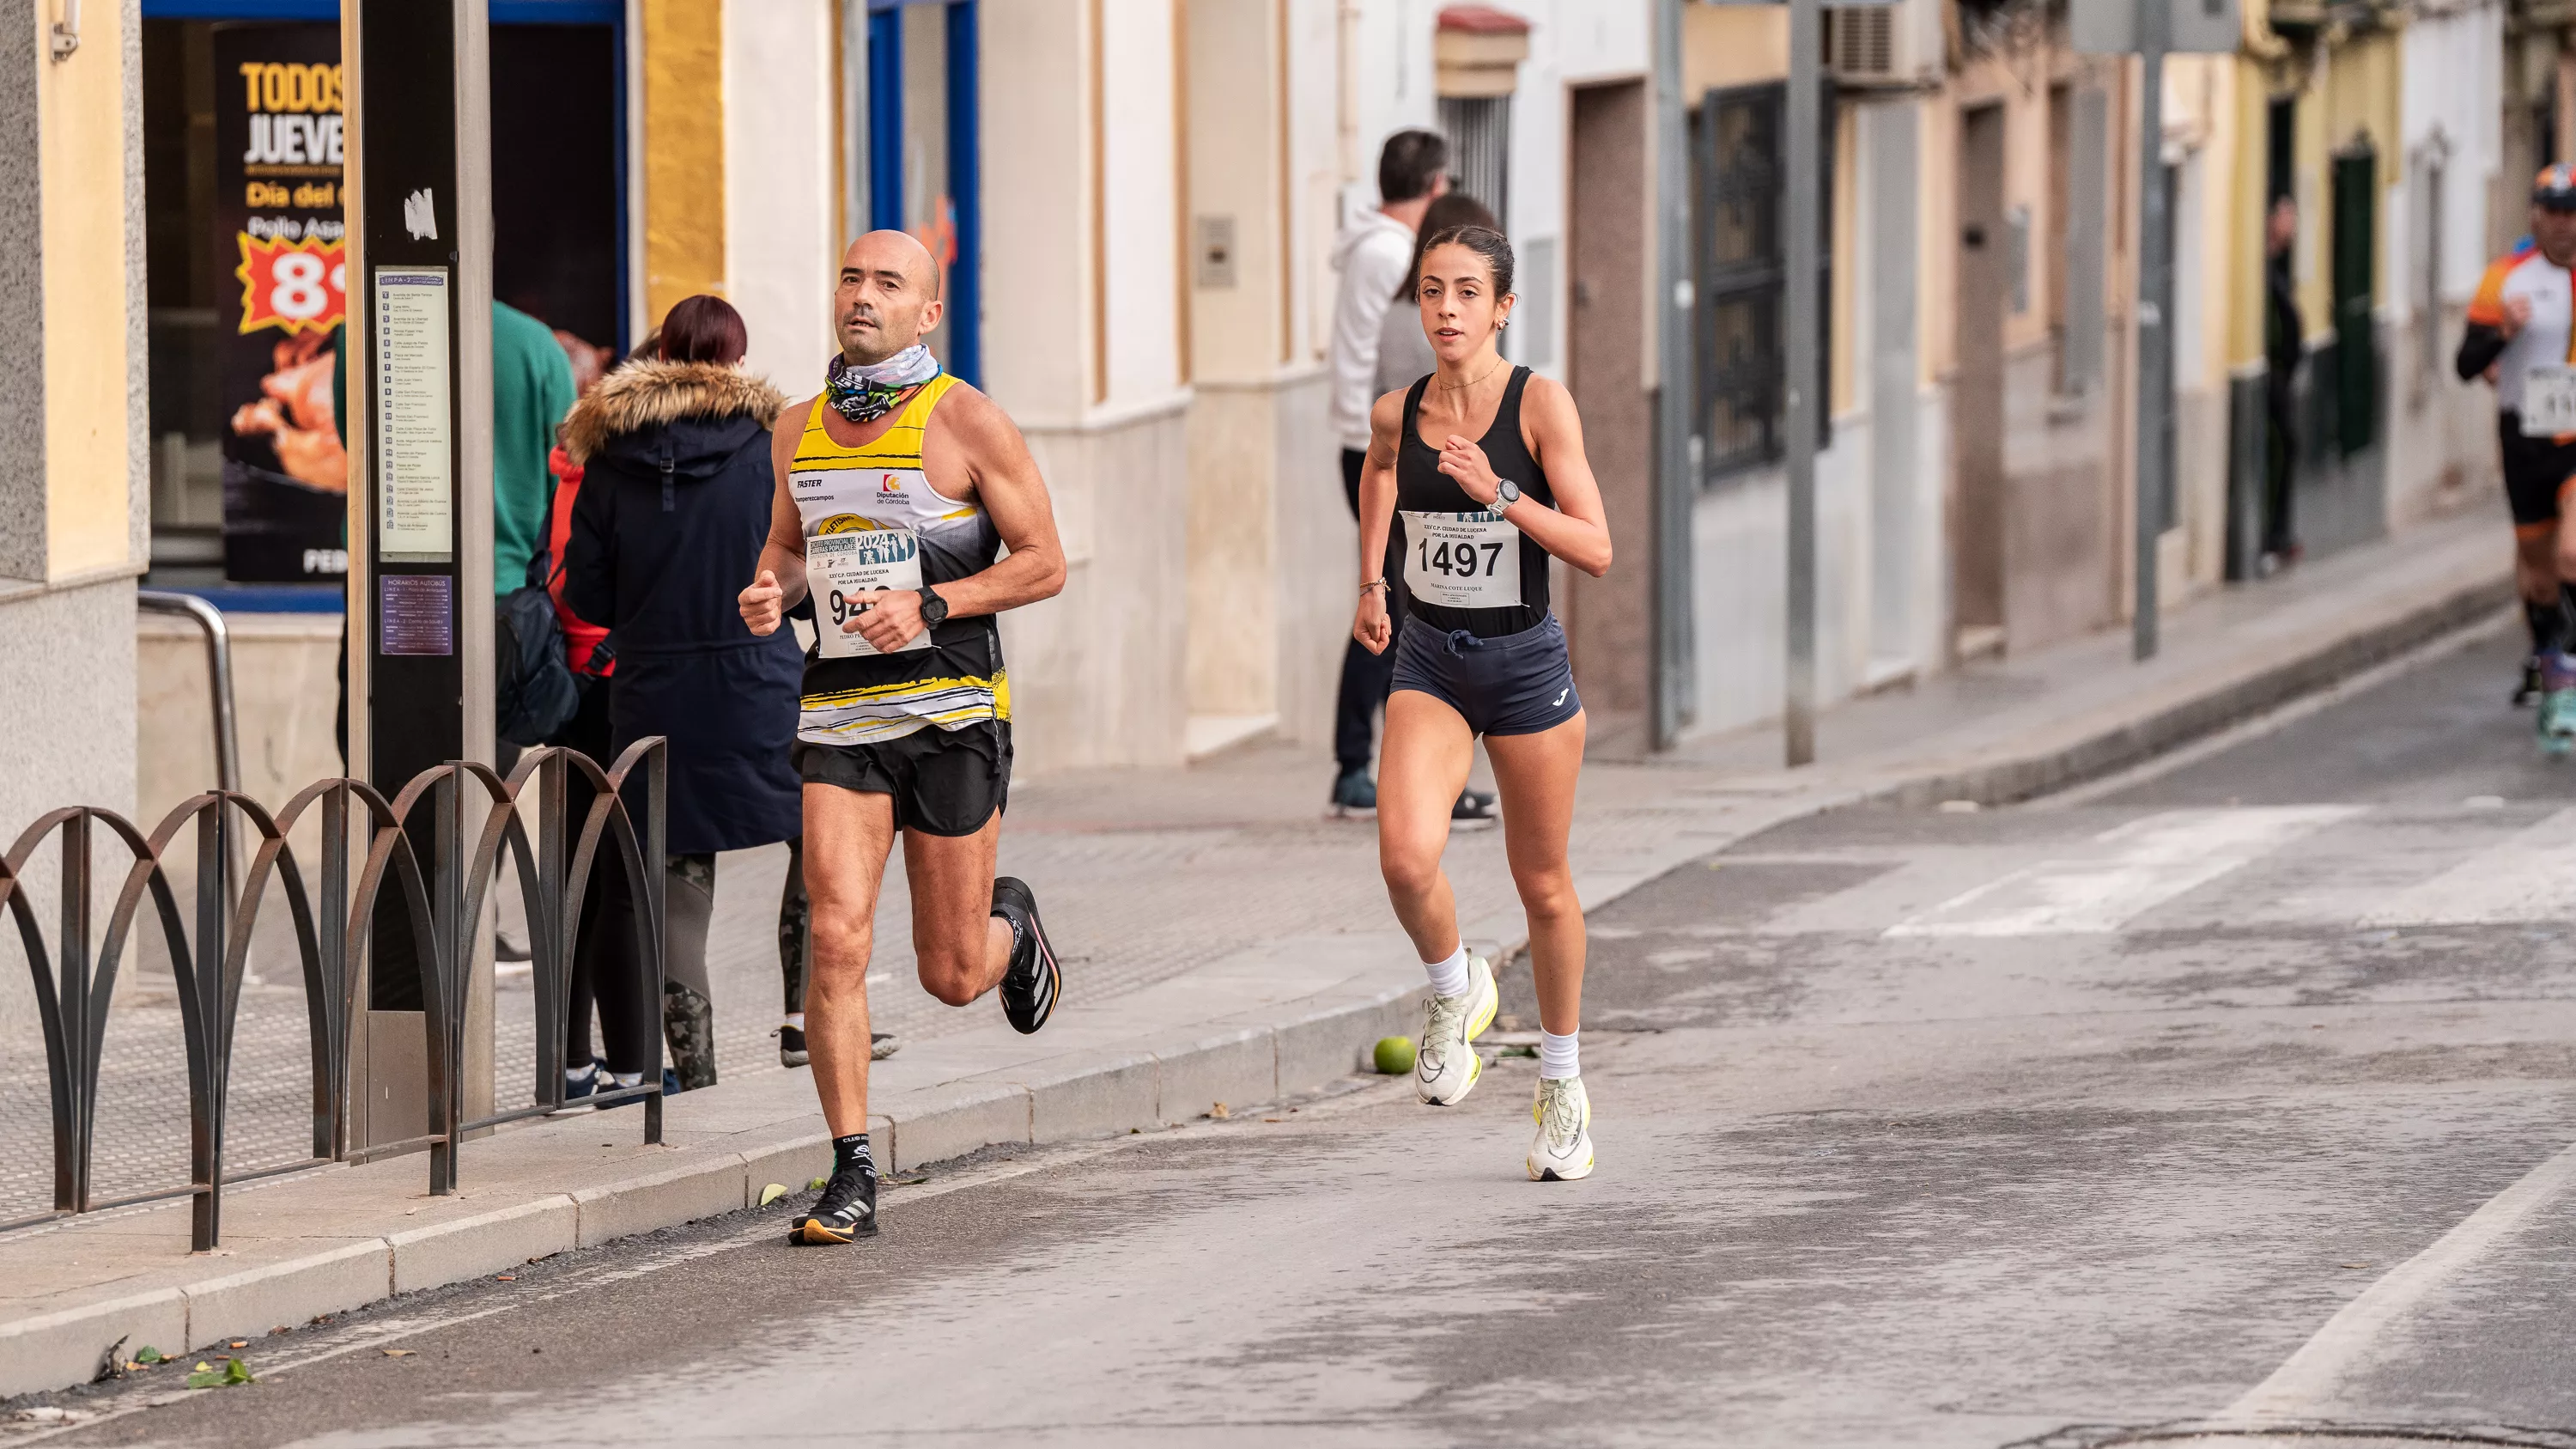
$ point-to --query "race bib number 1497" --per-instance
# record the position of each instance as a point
(1462, 560)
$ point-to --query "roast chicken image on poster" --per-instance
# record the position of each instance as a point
(280, 238)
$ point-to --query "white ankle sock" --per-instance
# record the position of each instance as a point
(1449, 977)
(795, 1021)
(1560, 1056)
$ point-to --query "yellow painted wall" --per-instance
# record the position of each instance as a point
(1733, 45)
(2355, 94)
(2362, 99)
(2253, 97)
(2210, 85)
(81, 121)
(684, 174)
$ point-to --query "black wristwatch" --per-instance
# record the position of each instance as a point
(934, 609)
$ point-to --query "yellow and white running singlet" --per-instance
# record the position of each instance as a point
(956, 683)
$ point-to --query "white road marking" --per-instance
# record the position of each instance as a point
(2151, 861)
(2531, 877)
(2300, 1386)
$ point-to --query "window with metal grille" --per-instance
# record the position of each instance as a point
(1738, 203)
(1479, 129)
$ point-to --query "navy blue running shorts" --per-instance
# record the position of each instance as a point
(1515, 684)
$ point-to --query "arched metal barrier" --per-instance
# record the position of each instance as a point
(75, 973)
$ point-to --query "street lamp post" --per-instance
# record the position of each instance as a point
(1676, 480)
(1803, 155)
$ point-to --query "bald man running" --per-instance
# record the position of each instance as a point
(897, 488)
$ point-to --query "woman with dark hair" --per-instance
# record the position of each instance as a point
(1403, 352)
(1484, 463)
(673, 509)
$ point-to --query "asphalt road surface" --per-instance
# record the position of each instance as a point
(2228, 1105)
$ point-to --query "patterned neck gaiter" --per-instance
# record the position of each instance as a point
(865, 394)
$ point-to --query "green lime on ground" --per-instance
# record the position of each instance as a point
(818, 1184)
(1394, 1055)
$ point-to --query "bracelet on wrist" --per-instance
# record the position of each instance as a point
(1372, 584)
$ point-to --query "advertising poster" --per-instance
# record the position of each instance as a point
(282, 291)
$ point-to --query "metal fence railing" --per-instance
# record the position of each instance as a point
(469, 815)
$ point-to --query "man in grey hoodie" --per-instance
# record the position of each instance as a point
(1372, 253)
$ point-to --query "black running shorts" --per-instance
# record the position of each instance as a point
(2534, 470)
(944, 782)
(1514, 684)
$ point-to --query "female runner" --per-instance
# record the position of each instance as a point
(1483, 462)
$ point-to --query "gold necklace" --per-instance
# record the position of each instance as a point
(1473, 381)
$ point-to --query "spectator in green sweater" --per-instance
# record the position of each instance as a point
(531, 391)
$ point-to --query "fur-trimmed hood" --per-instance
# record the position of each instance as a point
(649, 395)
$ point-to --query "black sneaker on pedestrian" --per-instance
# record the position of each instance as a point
(1031, 985)
(1354, 793)
(792, 1052)
(582, 1081)
(2529, 689)
(846, 1210)
(1473, 805)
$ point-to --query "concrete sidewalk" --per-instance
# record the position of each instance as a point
(1224, 944)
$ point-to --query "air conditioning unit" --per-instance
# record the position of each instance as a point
(1882, 45)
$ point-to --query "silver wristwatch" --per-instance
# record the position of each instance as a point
(1506, 493)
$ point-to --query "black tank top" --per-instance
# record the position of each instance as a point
(1420, 487)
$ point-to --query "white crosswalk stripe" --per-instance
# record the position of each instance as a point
(2138, 866)
(2530, 877)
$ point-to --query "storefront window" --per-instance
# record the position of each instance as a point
(243, 226)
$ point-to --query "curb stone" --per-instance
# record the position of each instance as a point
(247, 1304)
(488, 1242)
(55, 1349)
(663, 1199)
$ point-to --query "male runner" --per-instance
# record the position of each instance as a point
(2519, 338)
(897, 488)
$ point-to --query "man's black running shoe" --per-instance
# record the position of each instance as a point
(1030, 986)
(846, 1210)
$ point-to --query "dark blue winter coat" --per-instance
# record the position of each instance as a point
(667, 531)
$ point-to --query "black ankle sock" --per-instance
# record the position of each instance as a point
(852, 1151)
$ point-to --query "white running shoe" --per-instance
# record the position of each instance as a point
(1562, 1151)
(1446, 1066)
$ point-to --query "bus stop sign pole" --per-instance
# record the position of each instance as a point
(419, 367)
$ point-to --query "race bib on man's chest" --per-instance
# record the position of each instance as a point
(2548, 400)
(1462, 560)
(840, 568)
